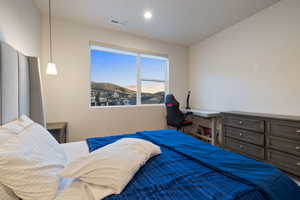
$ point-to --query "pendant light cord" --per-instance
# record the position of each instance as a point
(50, 32)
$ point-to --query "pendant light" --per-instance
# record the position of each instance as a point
(51, 67)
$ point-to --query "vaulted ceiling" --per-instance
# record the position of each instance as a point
(177, 21)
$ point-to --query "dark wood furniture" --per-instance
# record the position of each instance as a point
(59, 131)
(266, 137)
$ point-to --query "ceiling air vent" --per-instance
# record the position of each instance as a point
(114, 21)
(117, 22)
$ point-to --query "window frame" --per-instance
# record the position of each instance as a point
(139, 79)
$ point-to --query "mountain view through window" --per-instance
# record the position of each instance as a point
(127, 78)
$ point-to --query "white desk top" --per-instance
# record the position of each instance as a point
(202, 112)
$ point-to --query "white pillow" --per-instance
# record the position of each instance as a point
(30, 161)
(5, 192)
(114, 165)
(18, 125)
(27, 129)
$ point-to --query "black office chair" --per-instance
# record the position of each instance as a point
(175, 117)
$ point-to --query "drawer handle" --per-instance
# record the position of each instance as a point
(241, 122)
(241, 134)
(298, 131)
(297, 148)
(241, 146)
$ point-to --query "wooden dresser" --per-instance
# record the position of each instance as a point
(266, 137)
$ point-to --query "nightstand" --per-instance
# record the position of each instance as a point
(59, 131)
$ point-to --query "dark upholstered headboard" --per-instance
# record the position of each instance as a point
(20, 86)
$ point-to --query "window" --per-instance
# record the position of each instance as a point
(127, 78)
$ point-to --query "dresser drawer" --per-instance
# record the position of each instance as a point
(284, 161)
(245, 123)
(290, 130)
(246, 136)
(289, 146)
(245, 148)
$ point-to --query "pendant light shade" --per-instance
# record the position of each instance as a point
(51, 67)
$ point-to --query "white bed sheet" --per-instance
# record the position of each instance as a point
(72, 189)
(73, 150)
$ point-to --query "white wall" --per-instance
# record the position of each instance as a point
(20, 25)
(67, 95)
(251, 66)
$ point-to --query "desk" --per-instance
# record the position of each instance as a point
(207, 119)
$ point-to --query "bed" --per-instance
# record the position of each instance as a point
(191, 169)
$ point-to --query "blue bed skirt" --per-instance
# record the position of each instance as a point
(191, 169)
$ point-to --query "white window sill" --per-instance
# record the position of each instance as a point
(128, 106)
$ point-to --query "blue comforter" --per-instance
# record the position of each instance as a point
(190, 169)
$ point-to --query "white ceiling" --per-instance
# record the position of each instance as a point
(177, 21)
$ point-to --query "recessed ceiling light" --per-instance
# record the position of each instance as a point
(148, 15)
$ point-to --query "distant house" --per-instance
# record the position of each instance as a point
(126, 102)
(116, 94)
(102, 100)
